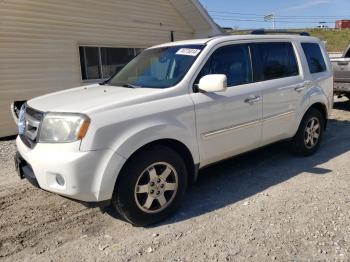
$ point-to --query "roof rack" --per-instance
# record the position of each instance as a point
(277, 31)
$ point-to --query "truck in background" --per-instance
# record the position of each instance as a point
(341, 69)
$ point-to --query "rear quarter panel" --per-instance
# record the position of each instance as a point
(321, 87)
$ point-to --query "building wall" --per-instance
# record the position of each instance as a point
(39, 41)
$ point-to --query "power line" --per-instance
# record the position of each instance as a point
(276, 17)
(284, 16)
(277, 21)
(244, 14)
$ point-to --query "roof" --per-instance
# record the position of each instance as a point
(218, 39)
(197, 17)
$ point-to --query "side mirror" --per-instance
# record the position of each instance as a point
(213, 83)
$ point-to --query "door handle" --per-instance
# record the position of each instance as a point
(299, 88)
(302, 86)
(252, 100)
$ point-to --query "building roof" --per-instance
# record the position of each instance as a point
(197, 17)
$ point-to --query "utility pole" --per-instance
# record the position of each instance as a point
(271, 17)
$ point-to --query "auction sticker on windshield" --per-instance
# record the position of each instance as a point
(188, 51)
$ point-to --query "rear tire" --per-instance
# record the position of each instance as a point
(309, 135)
(151, 186)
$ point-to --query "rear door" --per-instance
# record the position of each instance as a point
(277, 69)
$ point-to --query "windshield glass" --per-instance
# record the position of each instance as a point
(157, 67)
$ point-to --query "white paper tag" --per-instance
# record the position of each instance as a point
(188, 51)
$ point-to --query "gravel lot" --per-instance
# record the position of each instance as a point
(262, 206)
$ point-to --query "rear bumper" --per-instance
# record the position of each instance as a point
(88, 176)
(341, 88)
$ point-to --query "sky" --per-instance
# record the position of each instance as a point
(249, 14)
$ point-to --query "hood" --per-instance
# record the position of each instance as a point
(86, 98)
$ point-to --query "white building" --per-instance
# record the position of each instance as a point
(49, 45)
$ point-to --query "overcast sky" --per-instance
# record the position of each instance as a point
(289, 14)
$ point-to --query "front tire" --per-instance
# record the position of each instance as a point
(151, 186)
(309, 135)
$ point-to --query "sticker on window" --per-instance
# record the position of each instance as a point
(188, 51)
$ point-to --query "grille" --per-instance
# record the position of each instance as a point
(32, 124)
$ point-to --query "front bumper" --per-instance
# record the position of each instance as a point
(88, 176)
(24, 170)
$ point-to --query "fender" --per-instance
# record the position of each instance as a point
(143, 135)
(128, 143)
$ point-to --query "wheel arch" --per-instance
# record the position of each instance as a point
(320, 101)
(318, 105)
(322, 108)
(179, 147)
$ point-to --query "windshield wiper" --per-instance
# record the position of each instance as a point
(128, 85)
(104, 83)
(131, 85)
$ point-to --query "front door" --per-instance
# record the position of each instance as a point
(228, 122)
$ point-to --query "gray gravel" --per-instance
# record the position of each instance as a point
(262, 206)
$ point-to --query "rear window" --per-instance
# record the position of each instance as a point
(314, 57)
(277, 60)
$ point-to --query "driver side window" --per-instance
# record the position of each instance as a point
(232, 61)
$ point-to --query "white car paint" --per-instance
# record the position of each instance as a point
(213, 126)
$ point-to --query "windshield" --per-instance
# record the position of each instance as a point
(157, 67)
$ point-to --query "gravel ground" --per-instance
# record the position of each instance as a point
(262, 206)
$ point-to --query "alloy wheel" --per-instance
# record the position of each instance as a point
(312, 132)
(156, 187)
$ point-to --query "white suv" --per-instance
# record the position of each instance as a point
(138, 139)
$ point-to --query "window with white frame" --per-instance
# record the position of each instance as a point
(102, 62)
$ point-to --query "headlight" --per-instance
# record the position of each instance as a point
(21, 122)
(63, 127)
